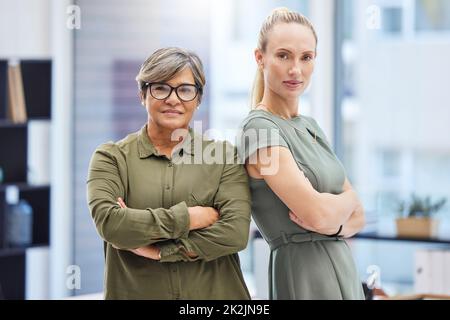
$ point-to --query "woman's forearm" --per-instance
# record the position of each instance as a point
(336, 210)
(352, 226)
(357, 219)
(289, 183)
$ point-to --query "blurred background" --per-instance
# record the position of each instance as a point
(380, 92)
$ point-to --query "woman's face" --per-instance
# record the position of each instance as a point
(172, 113)
(288, 61)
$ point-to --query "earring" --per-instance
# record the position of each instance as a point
(198, 108)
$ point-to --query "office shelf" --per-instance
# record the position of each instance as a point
(376, 236)
(36, 78)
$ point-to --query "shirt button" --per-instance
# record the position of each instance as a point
(170, 164)
(167, 187)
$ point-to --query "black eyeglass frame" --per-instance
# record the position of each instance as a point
(149, 84)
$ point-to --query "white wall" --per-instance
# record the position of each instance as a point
(25, 28)
(36, 29)
(24, 34)
(402, 96)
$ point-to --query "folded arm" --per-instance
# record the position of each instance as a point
(226, 236)
(352, 226)
(318, 210)
(125, 227)
(357, 220)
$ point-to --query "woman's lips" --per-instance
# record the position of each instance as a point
(292, 84)
(172, 112)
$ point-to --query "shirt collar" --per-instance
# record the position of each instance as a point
(147, 149)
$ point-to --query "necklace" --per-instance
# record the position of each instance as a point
(271, 111)
(275, 114)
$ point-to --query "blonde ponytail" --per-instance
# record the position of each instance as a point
(258, 88)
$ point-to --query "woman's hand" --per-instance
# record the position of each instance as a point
(355, 223)
(294, 218)
(349, 229)
(150, 252)
(121, 203)
(357, 220)
(202, 217)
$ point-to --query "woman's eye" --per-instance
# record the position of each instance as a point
(283, 56)
(185, 89)
(160, 88)
(307, 58)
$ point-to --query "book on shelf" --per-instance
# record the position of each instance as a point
(431, 272)
(3, 89)
(38, 155)
(37, 81)
(25, 90)
(447, 272)
(16, 95)
(422, 271)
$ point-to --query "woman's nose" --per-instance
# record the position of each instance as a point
(172, 99)
(295, 69)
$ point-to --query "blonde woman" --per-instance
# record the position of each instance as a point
(302, 201)
(172, 225)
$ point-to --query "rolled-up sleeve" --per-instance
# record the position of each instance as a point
(127, 228)
(230, 233)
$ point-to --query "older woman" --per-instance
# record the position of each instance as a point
(172, 223)
(302, 201)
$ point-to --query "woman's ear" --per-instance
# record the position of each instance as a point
(259, 58)
(142, 98)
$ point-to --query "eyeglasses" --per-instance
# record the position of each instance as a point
(184, 92)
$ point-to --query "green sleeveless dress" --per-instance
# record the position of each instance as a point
(303, 264)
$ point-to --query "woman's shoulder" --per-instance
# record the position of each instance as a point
(259, 119)
(310, 120)
(116, 148)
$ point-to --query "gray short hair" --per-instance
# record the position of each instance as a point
(165, 63)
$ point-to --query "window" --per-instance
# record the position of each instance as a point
(432, 15)
(393, 105)
(411, 18)
(390, 163)
(392, 20)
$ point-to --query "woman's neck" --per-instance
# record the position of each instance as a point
(283, 108)
(161, 138)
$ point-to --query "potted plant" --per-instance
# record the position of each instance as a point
(417, 217)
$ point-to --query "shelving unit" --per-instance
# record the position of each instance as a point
(36, 77)
(376, 236)
(409, 279)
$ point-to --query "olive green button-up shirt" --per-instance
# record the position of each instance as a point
(158, 192)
